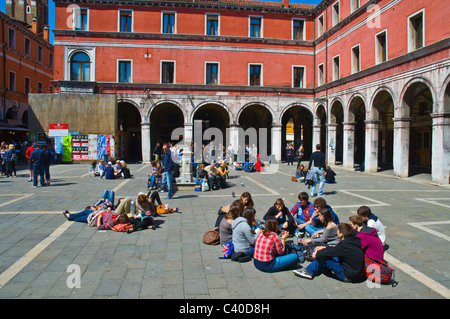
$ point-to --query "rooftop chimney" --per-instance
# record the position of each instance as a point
(46, 34)
(286, 3)
(35, 26)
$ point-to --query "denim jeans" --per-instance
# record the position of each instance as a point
(109, 195)
(285, 261)
(319, 177)
(81, 216)
(299, 221)
(38, 170)
(312, 229)
(167, 178)
(328, 266)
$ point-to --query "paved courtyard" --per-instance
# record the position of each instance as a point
(41, 252)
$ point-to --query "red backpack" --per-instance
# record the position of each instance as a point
(379, 272)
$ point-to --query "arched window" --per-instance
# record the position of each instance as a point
(80, 67)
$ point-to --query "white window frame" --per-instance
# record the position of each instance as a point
(333, 22)
(218, 71)
(175, 31)
(174, 71)
(323, 81)
(304, 76)
(353, 58)
(118, 19)
(321, 25)
(408, 21)
(118, 70)
(334, 67)
(218, 22)
(262, 26)
(304, 28)
(354, 5)
(377, 53)
(68, 54)
(261, 75)
(76, 12)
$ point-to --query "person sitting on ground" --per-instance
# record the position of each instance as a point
(238, 166)
(142, 213)
(280, 212)
(243, 237)
(258, 164)
(231, 212)
(304, 210)
(344, 262)
(108, 172)
(222, 173)
(92, 170)
(329, 235)
(212, 176)
(314, 226)
(124, 171)
(100, 167)
(330, 176)
(246, 199)
(370, 242)
(269, 255)
(373, 221)
(117, 166)
(300, 173)
(155, 175)
(202, 173)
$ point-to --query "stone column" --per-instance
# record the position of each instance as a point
(371, 152)
(316, 136)
(146, 143)
(276, 142)
(440, 161)
(186, 158)
(331, 143)
(401, 146)
(349, 145)
(233, 137)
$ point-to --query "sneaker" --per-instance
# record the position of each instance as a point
(303, 273)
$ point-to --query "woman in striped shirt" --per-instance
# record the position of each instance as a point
(269, 249)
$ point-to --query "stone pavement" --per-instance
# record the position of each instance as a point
(41, 253)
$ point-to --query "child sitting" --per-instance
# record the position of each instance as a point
(330, 176)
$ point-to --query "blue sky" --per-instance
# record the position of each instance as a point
(52, 9)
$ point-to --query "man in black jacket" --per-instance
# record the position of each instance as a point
(344, 262)
(318, 159)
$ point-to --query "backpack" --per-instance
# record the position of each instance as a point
(227, 249)
(161, 209)
(310, 177)
(122, 227)
(212, 237)
(379, 272)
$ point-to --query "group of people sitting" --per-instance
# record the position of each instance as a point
(303, 171)
(212, 176)
(127, 215)
(119, 170)
(335, 249)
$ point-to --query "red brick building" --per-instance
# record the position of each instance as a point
(26, 66)
(367, 79)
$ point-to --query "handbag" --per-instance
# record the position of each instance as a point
(212, 237)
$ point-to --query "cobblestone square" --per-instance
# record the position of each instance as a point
(37, 244)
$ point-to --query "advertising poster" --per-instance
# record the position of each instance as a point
(101, 145)
(58, 144)
(92, 147)
(67, 148)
